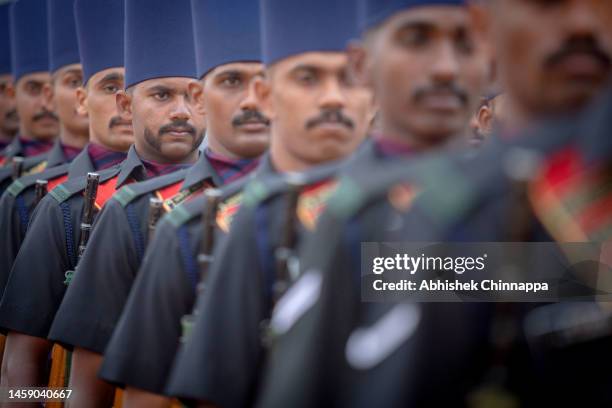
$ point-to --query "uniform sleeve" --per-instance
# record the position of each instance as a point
(9, 222)
(36, 286)
(219, 362)
(101, 284)
(150, 324)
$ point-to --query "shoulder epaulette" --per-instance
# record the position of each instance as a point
(125, 195)
(179, 216)
(18, 186)
(347, 199)
(68, 189)
(254, 193)
(61, 193)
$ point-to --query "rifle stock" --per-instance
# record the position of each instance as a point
(205, 256)
(60, 357)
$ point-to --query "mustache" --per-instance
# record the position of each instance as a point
(178, 126)
(449, 87)
(250, 116)
(12, 114)
(117, 121)
(331, 116)
(580, 46)
(44, 115)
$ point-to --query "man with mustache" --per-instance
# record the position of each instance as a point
(319, 117)
(9, 121)
(228, 55)
(38, 124)
(60, 95)
(456, 203)
(169, 113)
(67, 73)
(45, 253)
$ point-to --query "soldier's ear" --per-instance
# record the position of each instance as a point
(124, 104)
(47, 93)
(484, 118)
(81, 96)
(196, 94)
(263, 93)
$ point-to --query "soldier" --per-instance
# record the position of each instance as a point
(228, 55)
(319, 118)
(9, 121)
(161, 99)
(38, 124)
(101, 51)
(67, 75)
(471, 201)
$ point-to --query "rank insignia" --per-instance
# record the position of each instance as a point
(227, 210)
(573, 201)
(313, 201)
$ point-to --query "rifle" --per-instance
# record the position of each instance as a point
(17, 164)
(284, 253)
(60, 357)
(205, 256)
(91, 193)
(40, 190)
(156, 210)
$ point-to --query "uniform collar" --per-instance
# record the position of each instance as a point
(56, 156)
(14, 148)
(81, 164)
(200, 171)
(131, 167)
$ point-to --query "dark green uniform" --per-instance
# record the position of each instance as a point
(461, 200)
(96, 296)
(17, 204)
(165, 287)
(49, 251)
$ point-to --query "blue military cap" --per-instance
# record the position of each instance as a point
(29, 49)
(374, 12)
(99, 25)
(5, 40)
(158, 40)
(63, 48)
(291, 27)
(225, 31)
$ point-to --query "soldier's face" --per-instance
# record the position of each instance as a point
(554, 55)
(97, 100)
(9, 120)
(427, 69)
(36, 117)
(318, 114)
(168, 124)
(66, 81)
(233, 113)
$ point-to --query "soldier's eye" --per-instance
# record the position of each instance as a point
(231, 81)
(464, 42)
(413, 37)
(33, 88)
(110, 89)
(161, 96)
(306, 78)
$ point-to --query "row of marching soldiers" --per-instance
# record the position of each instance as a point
(188, 185)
